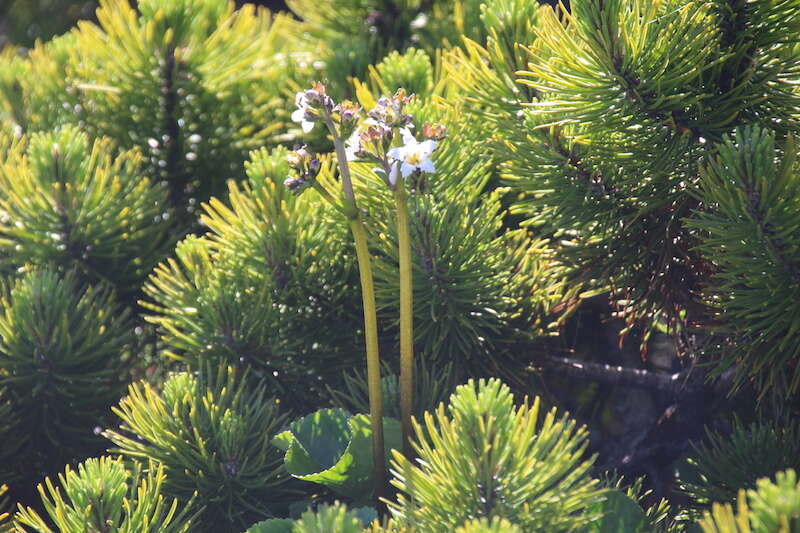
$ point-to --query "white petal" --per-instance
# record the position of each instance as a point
(427, 166)
(352, 146)
(307, 125)
(408, 138)
(406, 169)
(298, 115)
(300, 99)
(393, 174)
(398, 154)
(427, 147)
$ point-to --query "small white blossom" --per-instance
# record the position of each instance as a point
(412, 156)
(301, 113)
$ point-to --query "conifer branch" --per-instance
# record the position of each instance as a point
(171, 128)
(777, 248)
(686, 381)
(592, 179)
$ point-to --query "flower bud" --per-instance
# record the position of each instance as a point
(296, 185)
(298, 158)
(436, 132)
(348, 111)
(389, 111)
(376, 133)
(401, 98)
(314, 99)
(294, 160)
(307, 167)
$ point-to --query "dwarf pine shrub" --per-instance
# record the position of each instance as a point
(562, 181)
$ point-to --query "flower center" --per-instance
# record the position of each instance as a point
(415, 157)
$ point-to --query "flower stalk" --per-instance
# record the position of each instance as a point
(370, 312)
(348, 194)
(313, 106)
(406, 319)
(375, 140)
(373, 357)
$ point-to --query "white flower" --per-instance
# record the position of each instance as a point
(302, 111)
(413, 155)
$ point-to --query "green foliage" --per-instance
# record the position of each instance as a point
(455, 249)
(620, 514)
(477, 297)
(70, 202)
(273, 525)
(481, 456)
(618, 511)
(186, 18)
(34, 91)
(211, 432)
(648, 153)
(61, 348)
(355, 35)
(432, 386)
(5, 523)
(329, 519)
(288, 257)
(334, 518)
(10, 104)
(602, 144)
(483, 525)
(411, 71)
(333, 448)
(772, 507)
(101, 494)
(752, 189)
(724, 464)
(194, 85)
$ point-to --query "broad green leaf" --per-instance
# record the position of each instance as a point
(620, 514)
(333, 448)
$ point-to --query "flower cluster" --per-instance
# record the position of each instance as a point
(374, 140)
(349, 113)
(389, 110)
(311, 105)
(307, 168)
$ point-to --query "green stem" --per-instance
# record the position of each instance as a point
(370, 315)
(406, 319)
(373, 357)
(348, 194)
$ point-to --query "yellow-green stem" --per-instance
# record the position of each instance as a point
(348, 193)
(373, 357)
(406, 319)
(350, 210)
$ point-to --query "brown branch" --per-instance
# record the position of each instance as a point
(687, 381)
